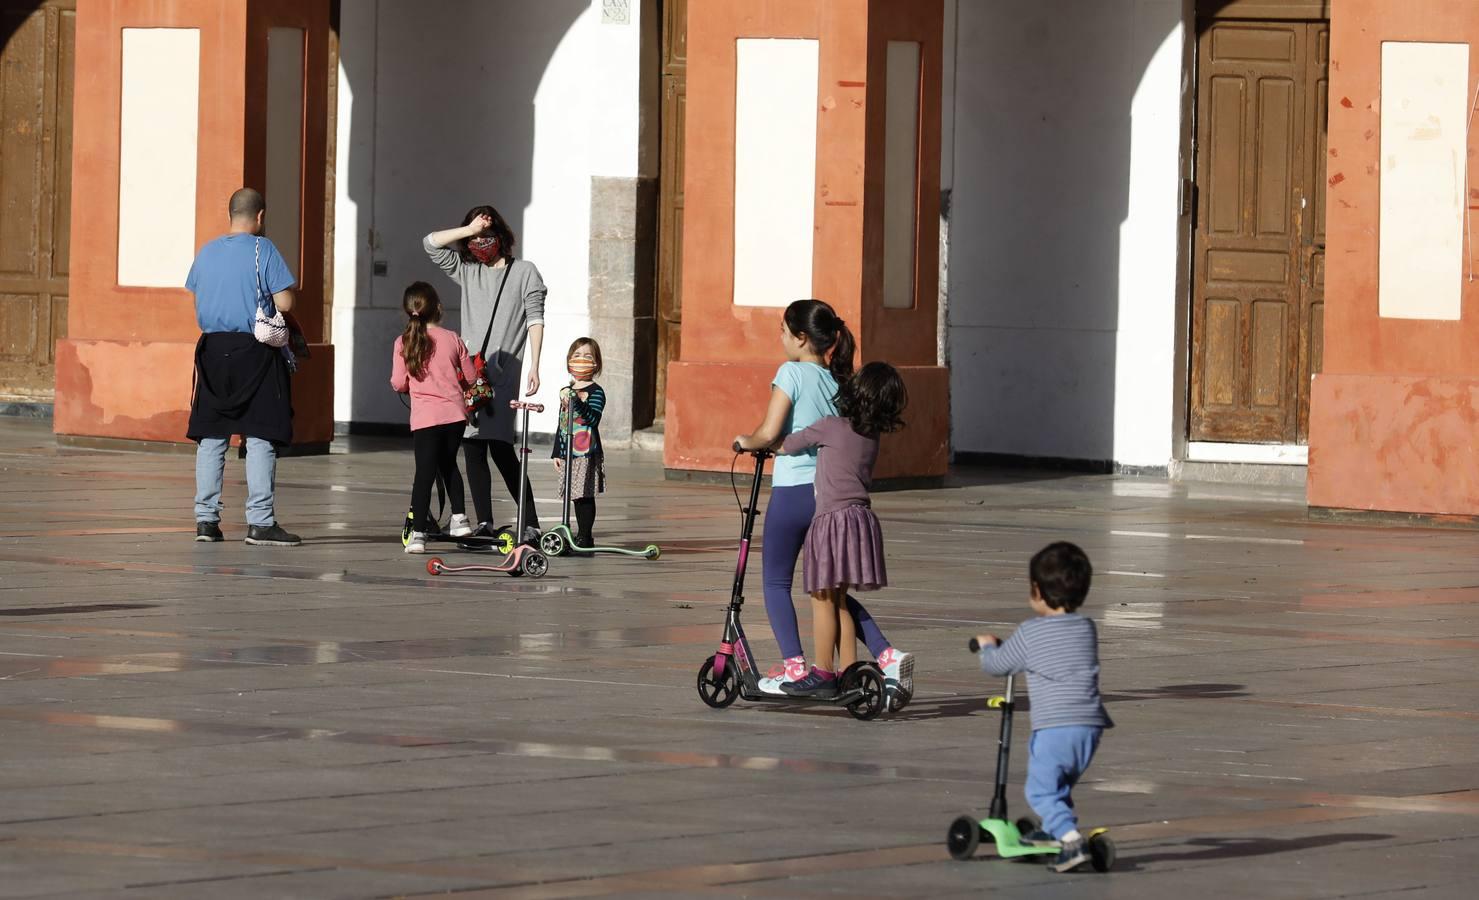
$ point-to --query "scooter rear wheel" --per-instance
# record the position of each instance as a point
(963, 838)
(865, 677)
(718, 691)
(534, 564)
(1101, 852)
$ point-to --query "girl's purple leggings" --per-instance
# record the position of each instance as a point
(787, 518)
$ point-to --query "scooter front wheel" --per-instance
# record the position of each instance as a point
(718, 691)
(553, 543)
(963, 838)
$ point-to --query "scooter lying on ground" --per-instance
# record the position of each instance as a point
(559, 540)
(731, 673)
(520, 558)
(966, 833)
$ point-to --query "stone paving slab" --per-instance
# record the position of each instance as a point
(1296, 699)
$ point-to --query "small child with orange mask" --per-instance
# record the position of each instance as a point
(581, 403)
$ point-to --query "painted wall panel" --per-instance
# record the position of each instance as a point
(284, 188)
(775, 170)
(1424, 93)
(900, 174)
(159, 132)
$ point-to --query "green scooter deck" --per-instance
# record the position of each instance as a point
(567, 539)
(1009, 840)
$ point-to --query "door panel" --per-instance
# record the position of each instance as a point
(1312, 281)
(670, 193)
(35, 191)
(1251, 317)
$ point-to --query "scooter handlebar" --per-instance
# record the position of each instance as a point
(765, 453)
(520, 404)
(974, 645)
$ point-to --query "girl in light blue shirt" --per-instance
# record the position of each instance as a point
(819, 352)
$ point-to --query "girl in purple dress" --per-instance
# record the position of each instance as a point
(844, 546)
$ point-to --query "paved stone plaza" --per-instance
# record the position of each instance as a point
(1297, 701)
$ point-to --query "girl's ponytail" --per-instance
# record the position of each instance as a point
(826, 332)
(840, 363)
(423, 308)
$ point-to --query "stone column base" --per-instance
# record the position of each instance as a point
(140, 391)
(1395, 443)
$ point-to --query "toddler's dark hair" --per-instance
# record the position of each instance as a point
(1061, 572)
(873, 399)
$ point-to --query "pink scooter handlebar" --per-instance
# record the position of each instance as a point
(532, 407)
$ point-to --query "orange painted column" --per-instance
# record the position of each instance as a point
(721, 384)
(125, 370)
(1394, 416)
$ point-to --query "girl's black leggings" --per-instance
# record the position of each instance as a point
(480, 478)
(436, 454)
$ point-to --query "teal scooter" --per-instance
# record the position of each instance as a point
(560, 540)
(966, 833)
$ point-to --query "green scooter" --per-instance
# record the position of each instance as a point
(560, 540)
(966, 833)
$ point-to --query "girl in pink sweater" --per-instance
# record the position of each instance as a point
(431, 363)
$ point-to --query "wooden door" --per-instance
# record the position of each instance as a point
(1257, 271)
(670, 191)
(35, 191)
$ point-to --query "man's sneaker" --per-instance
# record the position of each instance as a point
(459, 526)
(208, 532)
(898, 677)
(416, 543)
(271, 536)
(1073, 855)
(792, 668)
(1039, 838)
(815, 684)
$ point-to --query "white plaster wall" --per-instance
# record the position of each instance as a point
(446, 105)
(1061, 322)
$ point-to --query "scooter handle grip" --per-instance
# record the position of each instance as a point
(974, 645)
(520, 404)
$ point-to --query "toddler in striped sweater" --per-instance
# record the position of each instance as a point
(1059, 651)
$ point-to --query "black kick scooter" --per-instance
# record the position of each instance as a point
(731, 672)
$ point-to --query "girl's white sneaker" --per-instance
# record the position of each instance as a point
(416, 543)
(459, 526)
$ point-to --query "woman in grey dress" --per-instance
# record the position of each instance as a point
(509, 294)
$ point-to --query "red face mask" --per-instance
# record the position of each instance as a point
(484, 249)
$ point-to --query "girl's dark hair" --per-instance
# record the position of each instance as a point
(499, 229)
(825, 331)
(423, 309)
(595, 351)
(873, 399)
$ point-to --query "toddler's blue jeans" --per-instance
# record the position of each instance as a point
(1056, 758)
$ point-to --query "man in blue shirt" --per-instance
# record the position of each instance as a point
(241, 385)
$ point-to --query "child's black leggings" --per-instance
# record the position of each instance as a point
(436, 454)
(480, 478)
(585, 519)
